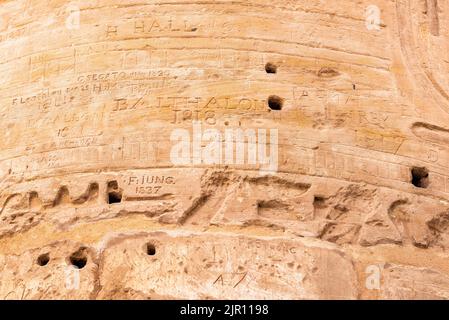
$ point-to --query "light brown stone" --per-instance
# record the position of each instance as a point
(96, 201)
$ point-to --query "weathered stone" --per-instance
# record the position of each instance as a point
(224, 150)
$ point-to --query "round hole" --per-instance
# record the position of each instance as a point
(151, 249)
(271, 68)
(43, 259)
(78, 259)
(275, 102)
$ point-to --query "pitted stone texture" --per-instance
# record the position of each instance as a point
(409, 283)
(219, 267)
(63, 270)
(330, 156)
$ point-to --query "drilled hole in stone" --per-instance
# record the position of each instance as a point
(420, 177)
(151, 249)
(319, 202)
(114, 194)
(114, 197)
(275, 102)
(78, 258)
(43, 259)
(271, 68)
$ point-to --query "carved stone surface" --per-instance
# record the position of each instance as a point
(247, 149)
